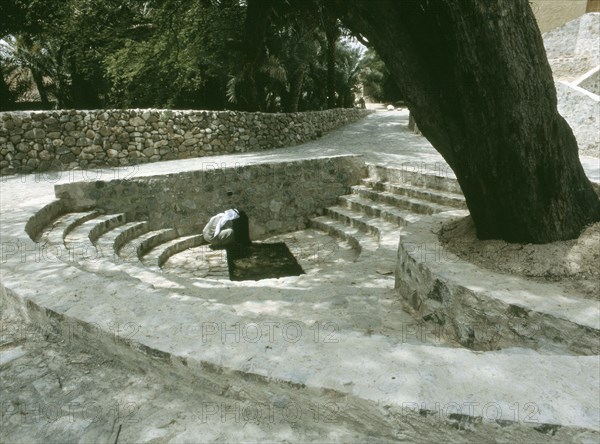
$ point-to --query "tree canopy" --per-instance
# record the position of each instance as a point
(203, 54)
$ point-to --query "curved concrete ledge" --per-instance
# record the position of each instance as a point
(44, 217)
(153, 240)
(105, 226)
(129, 234)
(485, 310)
(78, 221)
(157, 328)
(179, 245)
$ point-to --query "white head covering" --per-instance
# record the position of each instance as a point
(227, 216)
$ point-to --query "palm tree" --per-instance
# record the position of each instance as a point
(25, 55)
(347, 74)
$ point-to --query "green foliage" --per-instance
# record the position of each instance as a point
(377, 80)
(347, 74)
(173, 53)
(184, 59)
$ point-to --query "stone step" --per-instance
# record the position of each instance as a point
(438, 176)
(78, 241)
(358, 239)
(125, 236)
(445, 198)
(161, 253)
(356, 219)
(62, 226)
(385, 232)
(106, 225)
(152, 239)
(402, 202)
(383, 211)
(106, 244)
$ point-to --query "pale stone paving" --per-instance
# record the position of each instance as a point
(379, 359)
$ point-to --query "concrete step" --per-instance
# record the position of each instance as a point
(152, 239)
(356, 219)
(445, 198)
(358, 239)
(383, 211)
(78, 241)
(106, 225)
(438, 176)
(403, 202)
(125, 236)
(62, 226)
(106, 244)
(386, 233)
(161, 253)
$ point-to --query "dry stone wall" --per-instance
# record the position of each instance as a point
(67, 139)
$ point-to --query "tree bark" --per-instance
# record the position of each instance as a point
(476, 77)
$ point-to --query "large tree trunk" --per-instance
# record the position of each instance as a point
(476, 77)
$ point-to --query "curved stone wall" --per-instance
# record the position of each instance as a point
(483, 309)
(65, 139)
(278, 196)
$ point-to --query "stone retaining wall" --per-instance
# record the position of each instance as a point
(482, 309)
(66, 139)
(278, 197)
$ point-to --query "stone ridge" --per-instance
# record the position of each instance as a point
(65, 139)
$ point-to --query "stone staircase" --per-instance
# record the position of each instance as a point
(369, 220)
(90, 236)
(371, 217)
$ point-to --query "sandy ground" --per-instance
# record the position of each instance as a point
(54, 392)
(573, 264)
